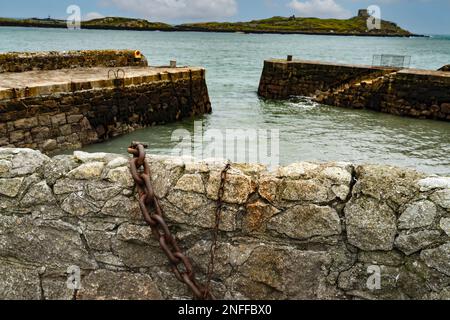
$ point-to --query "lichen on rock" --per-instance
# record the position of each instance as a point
(305, 231)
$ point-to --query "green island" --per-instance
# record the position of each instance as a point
(107, 23)
(356, 26)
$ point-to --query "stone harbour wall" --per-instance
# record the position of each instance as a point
(415, 93)
(304, 231)
(282, 79)
(72, 115)
(409, 93)
(54, 60)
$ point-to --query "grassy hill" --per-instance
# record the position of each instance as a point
(111, 23)
(125, 23)
(353, 26)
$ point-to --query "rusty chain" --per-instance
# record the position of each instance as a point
(218, 218)
(148, 202)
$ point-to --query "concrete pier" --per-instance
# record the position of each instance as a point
(49, 108)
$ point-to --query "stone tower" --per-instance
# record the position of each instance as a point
(363, 13)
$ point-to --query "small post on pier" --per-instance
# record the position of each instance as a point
(289, 58)
(173, 63)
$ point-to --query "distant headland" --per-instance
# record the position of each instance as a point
(356, 26)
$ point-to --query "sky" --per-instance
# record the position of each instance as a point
(419, 16)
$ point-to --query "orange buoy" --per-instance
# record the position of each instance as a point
(137, 54)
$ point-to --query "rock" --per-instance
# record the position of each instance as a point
(445, 225)
(55, 288)
(118, 162)
(65, 186)
(26, 123)
(281, 273)
(85, 157)
(10, 187)
(112, 262)
(237, 187)
(269, 188)
(79, 205)
(38, 194)
(307, 221)
(108, 285)
(18, 282)
(444, 295)
(197, 210)
(136, 255)
(341, 192)
(385, 258)
(371, 225)
(52, 243)
(414, 242)
(438, 258)
(355, 283)
(257, 216)
(297, 170)
(442, 198)
(5, 167)
(433, 183)
(102, 191)
(165, 175)
(121, 176)
(58, 167)
(305, 190)
(393, 185)
(135, 234)
(338, 175)
(190, 204)
(191, 182)
(24, 161)
(122, 206)
(50, 145)
(417, 215)
(87, 171)
(196, 167)
(417, 280)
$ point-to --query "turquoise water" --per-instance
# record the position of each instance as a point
(234, 63)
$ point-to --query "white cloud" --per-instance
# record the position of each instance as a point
(319, 9)
(176, 9)
(93, 15)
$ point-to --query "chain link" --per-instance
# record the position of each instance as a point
(153, 216)
(218, 218)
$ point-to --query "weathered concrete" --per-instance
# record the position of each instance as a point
(414, 93)
(68, 108)
(305, 231)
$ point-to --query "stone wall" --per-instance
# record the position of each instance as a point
(282, 79)
(71, 115)
(414, 93)
(305, 231)
(28, 61)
